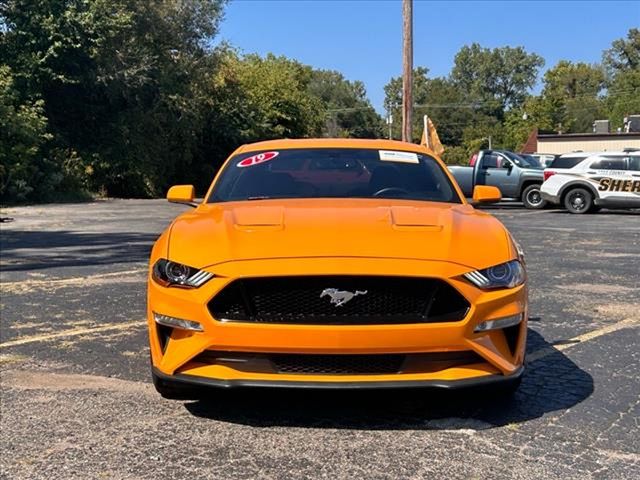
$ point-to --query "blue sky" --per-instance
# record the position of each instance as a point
(363, 38)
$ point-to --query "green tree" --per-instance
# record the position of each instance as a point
(623, 96)
(349, 112)
(624, 54)
(446, 107)
(469, 106)
(571, 80)
(622, 61)
(535, 113)
(117, 79)
(22, 136)
(572, 93)
(279, 105)
(498, 79)
(438, 98)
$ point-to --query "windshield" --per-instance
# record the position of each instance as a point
(333, 173)
(522, 161)
(533, 161)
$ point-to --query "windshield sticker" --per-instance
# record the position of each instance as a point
(403, 157)
(257, 159)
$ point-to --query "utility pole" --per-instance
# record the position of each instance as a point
(407, 69)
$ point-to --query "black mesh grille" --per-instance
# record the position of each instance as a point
(337, 364)
(339, 300)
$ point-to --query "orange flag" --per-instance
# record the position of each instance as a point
(430, 137)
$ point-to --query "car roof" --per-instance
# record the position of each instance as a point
(590, 157)
(580, 154)
(610, 154)
(501, 150)
(378, 144)
(595, 154)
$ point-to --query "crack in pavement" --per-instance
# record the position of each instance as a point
(72, 333)
(26, 286)
(585, 337)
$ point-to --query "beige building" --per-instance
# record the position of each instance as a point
(586, 142)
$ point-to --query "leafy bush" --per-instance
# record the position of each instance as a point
(23, 133)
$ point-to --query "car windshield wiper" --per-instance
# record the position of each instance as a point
(265, 197)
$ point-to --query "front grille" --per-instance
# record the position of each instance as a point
(322, 300)
(338, 364)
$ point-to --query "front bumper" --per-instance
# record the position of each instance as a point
(176, 358)
(554, 199)
(185, 380)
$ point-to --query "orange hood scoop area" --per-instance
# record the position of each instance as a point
(306, 228)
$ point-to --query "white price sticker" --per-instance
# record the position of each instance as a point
(395, 156)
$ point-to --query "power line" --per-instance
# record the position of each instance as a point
(497, 103)
(492, 103)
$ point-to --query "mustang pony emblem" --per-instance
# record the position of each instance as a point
(340, 297)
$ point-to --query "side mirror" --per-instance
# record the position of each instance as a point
(486, 194)
(182, 194)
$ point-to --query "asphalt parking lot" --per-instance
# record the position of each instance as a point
(77, 402)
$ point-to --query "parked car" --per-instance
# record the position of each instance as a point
(607, 179)
(566, 161)
(544, 159)
(515, 176)
(295, 273)
(532, 159)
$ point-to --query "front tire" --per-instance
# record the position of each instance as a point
(578, 200)
(532, 199)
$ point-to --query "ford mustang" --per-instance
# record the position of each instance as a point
(335, 263)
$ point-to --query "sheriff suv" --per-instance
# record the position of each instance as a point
(607, 179)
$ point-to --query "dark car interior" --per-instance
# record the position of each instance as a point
(335, 174)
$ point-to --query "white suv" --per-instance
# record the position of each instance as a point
(605, 179)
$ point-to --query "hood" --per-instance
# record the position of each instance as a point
(375, 228)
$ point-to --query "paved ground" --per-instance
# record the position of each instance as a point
(76, 401)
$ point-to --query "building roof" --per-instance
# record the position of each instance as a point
(588, 136)
(531, 145)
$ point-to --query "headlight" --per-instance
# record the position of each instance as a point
(169, 273)
(506, 275)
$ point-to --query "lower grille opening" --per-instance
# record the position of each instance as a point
(345, 364)
(338, 364)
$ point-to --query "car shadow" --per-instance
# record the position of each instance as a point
(552, 382)
(510, 205)
(29, 250)
(604, 211)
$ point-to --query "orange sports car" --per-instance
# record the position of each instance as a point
(335, 263)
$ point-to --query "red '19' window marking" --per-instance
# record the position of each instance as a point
(257, 159)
